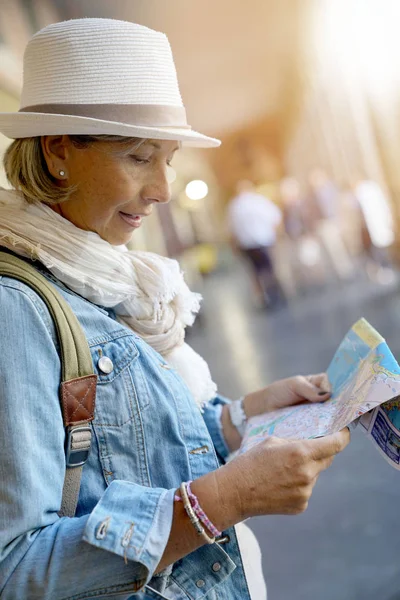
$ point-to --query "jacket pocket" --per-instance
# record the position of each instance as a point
(113, 355)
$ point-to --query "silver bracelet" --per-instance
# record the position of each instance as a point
(195, 521)
(237, 414)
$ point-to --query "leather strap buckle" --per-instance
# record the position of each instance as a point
(79, 440)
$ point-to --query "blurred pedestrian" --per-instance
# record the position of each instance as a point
(323, 210)
(299, 251)
(253, 222)
(378, 227)
(351, 223)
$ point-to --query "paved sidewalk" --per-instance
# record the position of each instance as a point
(347, 545)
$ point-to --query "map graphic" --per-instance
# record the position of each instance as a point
(363, 373)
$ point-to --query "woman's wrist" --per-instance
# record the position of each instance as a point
(253, 404)
(218, 495)
(231, 435)
(257, 403)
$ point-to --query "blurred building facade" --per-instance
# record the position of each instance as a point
(288, 86)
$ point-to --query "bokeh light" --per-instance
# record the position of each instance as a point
(196, 189)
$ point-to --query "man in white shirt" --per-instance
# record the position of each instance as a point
(253, 221)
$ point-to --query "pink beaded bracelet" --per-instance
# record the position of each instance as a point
(199, 512)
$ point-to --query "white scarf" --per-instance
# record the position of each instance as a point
(147, 291)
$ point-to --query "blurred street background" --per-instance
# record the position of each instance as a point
(290, 230)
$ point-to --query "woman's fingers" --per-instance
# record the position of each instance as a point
(282, 473)
(322, 387)
(312, 389)
(325, 447)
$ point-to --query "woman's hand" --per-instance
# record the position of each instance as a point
(276, 476)
(282, 393)
(287, 392)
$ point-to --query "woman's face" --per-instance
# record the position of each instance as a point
(116, 188)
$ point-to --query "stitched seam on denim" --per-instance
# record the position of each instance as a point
(138, 424)
(180, 424)
(213, 449)
(124, 588)
(131, 416)
(214, 427)
(102, 379)
(179, 381)
(104, 457)
(143, 384)
(112, 425)
(154, 516)
(109, 337)
(240, 557)
(123, 374)
(129, 389)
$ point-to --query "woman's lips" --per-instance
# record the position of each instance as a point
(132, 220)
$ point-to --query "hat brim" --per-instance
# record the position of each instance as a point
(26, 124)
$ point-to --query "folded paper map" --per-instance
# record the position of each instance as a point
(364, 375)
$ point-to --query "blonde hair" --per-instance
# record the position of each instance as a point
(26, 168)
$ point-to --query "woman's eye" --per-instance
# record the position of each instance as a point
(140, 161)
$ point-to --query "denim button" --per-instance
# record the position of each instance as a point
(216, 567)
(105, 364)
(200, 583)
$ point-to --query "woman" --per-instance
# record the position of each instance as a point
(100, 121)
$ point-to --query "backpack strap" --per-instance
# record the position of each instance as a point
(78, 380)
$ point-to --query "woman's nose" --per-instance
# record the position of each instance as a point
(157, 188)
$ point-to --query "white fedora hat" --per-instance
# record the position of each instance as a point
(101, 76)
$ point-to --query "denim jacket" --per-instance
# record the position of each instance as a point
(148, 437)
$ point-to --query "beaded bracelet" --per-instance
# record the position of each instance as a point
(192, 516)
(197, 510)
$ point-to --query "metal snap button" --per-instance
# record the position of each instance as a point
(105, 364)
(216, 567)
(200, 583)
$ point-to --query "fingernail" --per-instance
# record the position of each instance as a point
(322, 393)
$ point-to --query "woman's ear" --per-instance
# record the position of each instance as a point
(56, 150)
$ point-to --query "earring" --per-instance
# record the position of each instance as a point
(62, 173)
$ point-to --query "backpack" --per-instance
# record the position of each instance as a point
(78, 380)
